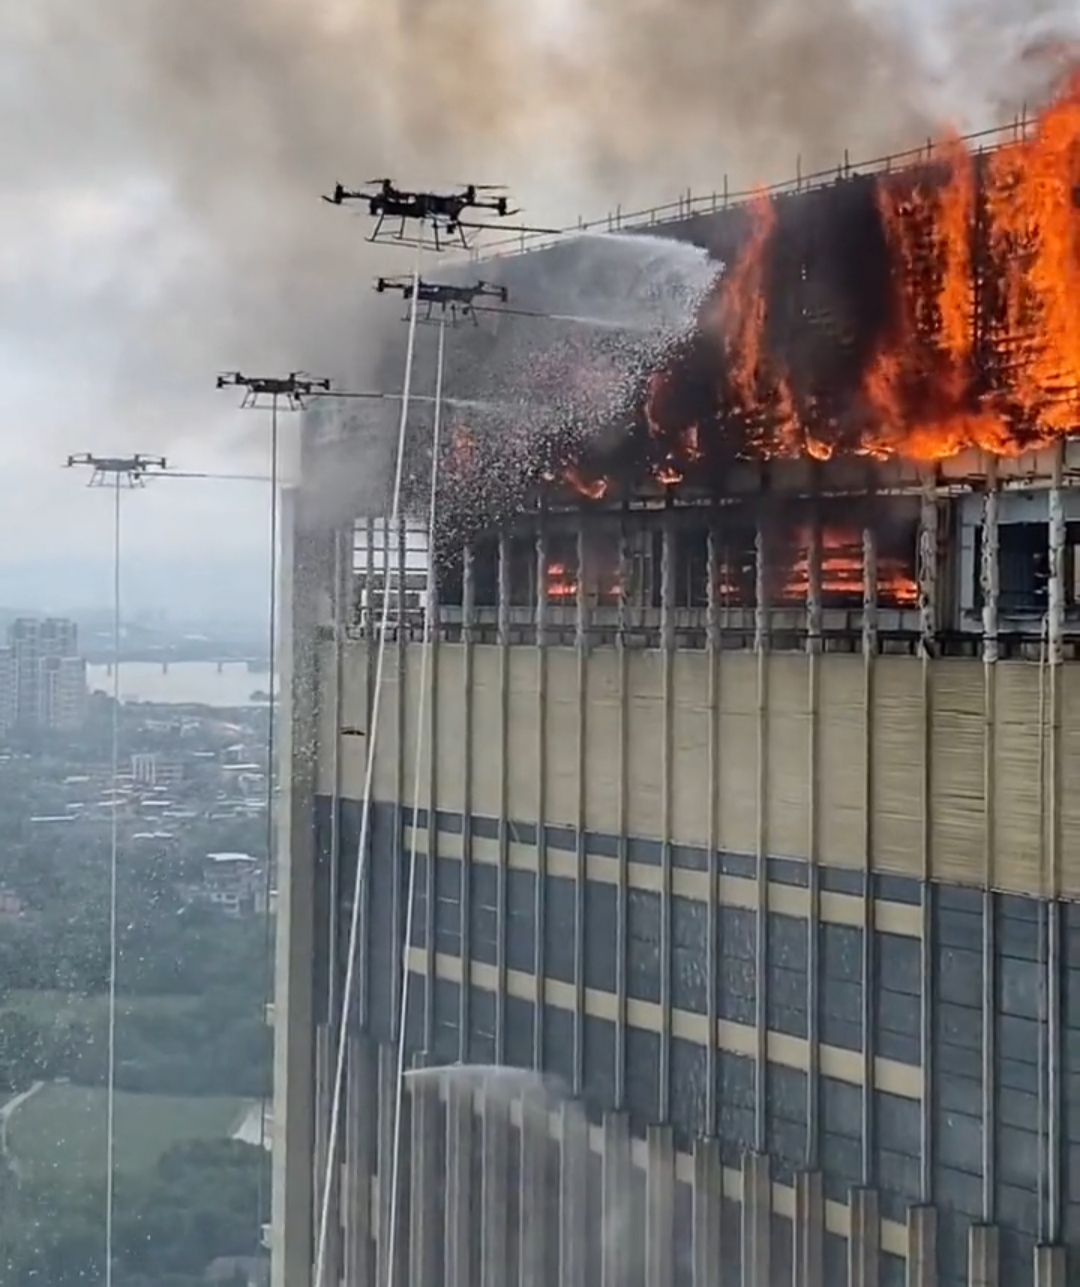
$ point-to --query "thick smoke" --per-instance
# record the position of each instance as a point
(163, 160)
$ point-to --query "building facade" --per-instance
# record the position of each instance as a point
(43, 676)
(721, 888)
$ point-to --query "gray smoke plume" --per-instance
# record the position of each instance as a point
(163, 160)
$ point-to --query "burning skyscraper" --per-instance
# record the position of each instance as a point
(736, 773)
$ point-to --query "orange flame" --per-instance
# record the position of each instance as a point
(843, 570)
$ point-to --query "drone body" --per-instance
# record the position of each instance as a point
(114, 470)
(293, 388)
(448, 299)
(440, 212)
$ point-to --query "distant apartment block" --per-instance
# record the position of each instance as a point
(42, 677)
(148, 768)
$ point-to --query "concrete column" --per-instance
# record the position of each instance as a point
(870, 592)
(541, 582)
(325, 1057)
(922, 1247)
(624, 583)
(667, 586)
(660, 1208)
(387, 1108)
(756, 1220)
(809, 1230)
(360, 1095)
(712, 573)
(573, 1197)
(468, 594)
(616, 1199)
(864, 1245)
(761, 587)
(1050, 1266)
(494, 1186)
(707, 1212)
(533, 1246)
(928, 568)
(504, 589)
(459, 1196)
(424, 1250)
(581, 616)
(990, 570)
(813, 587)
(984, 1268)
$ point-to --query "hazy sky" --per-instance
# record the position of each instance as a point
(162, 162)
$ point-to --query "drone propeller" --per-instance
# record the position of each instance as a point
(484, 187)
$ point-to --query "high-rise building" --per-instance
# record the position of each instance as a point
(33, 641)
(8, 689)
(743, 941)
(61, 693)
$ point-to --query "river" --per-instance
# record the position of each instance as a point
(183, 682)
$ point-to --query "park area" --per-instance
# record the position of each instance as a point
(60, 1132)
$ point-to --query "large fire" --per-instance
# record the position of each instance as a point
(971, 337)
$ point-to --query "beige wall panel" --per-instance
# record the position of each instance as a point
(1070, 777)
(645, 733)
(897, 749)
(787, 787)
(602, 750)
(738, 683)
(958, 750)
(738, 768)
(1016, 816)
(738, 783)
(354, 715)
(561, 734)
(690, 749)
(385, 785)
(450, 728)
(486, 731)
(417, 724)
(841, 762)
(523, 763)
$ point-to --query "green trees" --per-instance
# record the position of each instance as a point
(199, 1204)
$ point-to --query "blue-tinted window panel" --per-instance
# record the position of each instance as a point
(841, 952)
(559, 1044)
(521, 833)
(447, 906)
(648, 852)
(689, 858)
(899, 1181)
(643, 945)
(601, 844)
(738, 933)
(788, 871)
(485, 828)
(898, 965)
(960, 977)
(733, 864)
(689, 1091)
(601, 937)
(563, 838)
(521, 920)
(736, 991)
(841, 1108)
(559, 928)
(898, 889)
(483, 914)
(599, 1061)
(418, 936)
(643, 1077)
(1020, 987)
(518, 1035)
(959, 1143)
(898, 1123)
(690, 954)
(447, 1034)
(841, 1165)
(960, 930)
(415, 1011)
(482, 1049)
(1018, 1156)
(735, 1080)
(452, 823)
(413, 817)
(842, 880)
(787, 941)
